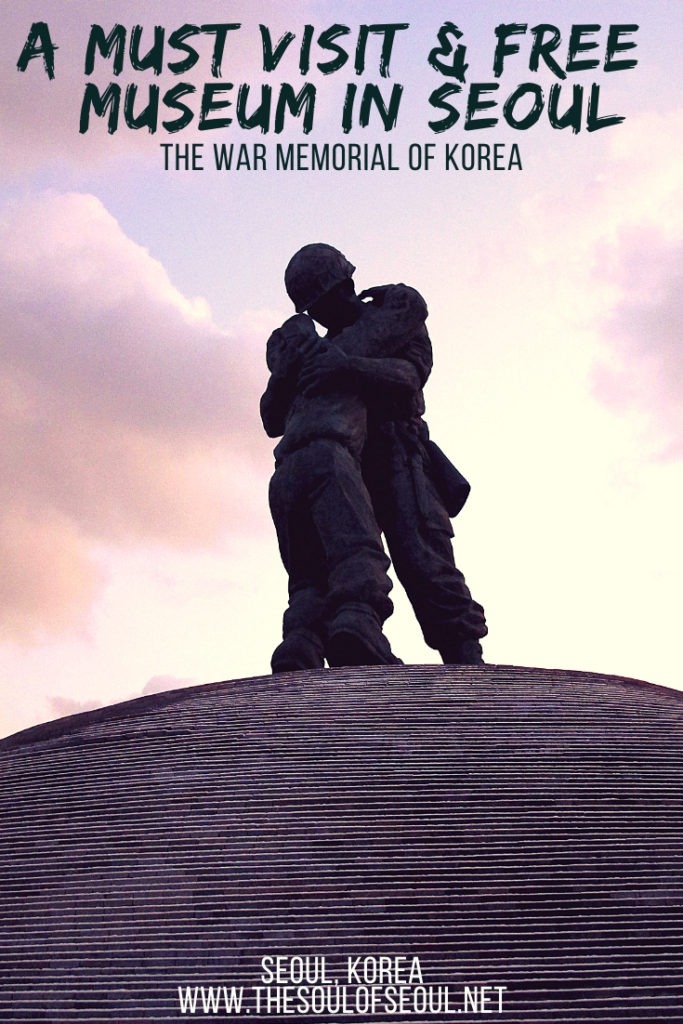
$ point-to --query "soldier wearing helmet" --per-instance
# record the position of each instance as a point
(314, 271)
(413, 487)
(327, 531)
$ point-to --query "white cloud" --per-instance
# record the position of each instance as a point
(62, 706)
(161, 684)
(40, 122)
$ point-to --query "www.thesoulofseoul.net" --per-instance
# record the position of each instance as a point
(314, 986)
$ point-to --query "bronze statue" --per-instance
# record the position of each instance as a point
(355, 459)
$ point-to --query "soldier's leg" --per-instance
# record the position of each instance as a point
(418, 533)
(302, 644)
(357, 582)
(452, 621)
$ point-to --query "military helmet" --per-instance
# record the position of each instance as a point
(313, 271)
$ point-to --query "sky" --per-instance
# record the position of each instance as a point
(136, 546)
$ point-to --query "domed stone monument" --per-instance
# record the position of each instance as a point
(413, 843)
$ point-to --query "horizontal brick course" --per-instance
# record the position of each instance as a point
(509, 826)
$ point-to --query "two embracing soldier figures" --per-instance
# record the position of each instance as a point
(355, 462)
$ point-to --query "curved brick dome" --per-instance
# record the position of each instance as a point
(517, 830)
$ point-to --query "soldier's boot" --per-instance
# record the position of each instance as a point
(462, 652)
(300, 649)
(355, 637)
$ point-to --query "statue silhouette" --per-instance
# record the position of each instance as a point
(355, 461)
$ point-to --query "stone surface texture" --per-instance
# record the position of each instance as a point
(510, 827)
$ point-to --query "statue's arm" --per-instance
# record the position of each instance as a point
(287, 348)
(391, 353)
(394, 377)
(397, 375)
(276, 402)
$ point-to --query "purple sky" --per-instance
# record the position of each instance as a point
(136, 544)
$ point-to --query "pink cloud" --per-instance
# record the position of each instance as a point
(619, 269)
(642, 366)
(127, 415)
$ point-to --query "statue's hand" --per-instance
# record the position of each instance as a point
(376, 294)
(323, 371)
